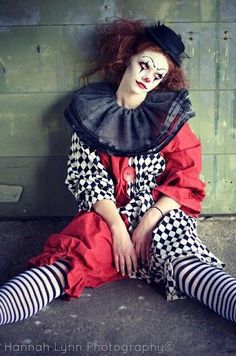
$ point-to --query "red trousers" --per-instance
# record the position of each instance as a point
(87, 244)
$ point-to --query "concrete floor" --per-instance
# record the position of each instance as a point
(123, 318)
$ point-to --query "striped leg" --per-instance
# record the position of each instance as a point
(207, 284)
(27, 293)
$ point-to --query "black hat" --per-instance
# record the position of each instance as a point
(169, 41)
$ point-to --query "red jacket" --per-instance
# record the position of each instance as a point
(180, 179)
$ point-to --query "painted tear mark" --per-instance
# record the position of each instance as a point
(10, 193)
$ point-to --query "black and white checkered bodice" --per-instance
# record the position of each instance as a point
(89, 181)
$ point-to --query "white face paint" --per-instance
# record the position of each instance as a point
(144, 72)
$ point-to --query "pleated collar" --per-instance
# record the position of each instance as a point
(105, 126)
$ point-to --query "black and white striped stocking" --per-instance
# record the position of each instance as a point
(207, 284)
(29, 292)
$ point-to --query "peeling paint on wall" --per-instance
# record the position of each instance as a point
(10, 193)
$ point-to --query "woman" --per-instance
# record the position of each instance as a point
(134, 170)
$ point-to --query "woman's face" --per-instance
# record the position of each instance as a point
(145, 71)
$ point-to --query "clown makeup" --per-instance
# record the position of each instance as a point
(146, 63)
(143, 73)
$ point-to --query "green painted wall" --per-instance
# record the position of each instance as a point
(46, 45)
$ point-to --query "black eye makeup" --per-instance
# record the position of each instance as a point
(146, 66)
(143, 65)
(158, 76)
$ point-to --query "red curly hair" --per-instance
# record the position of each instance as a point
(120, 40)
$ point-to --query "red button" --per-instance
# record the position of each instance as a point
(129, 174)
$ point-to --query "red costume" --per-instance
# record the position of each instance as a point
(87, 242)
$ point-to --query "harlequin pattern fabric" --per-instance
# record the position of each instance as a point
(175, 236)
(86, 177)
(87, 242)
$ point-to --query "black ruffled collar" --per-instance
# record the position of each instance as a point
(105, 126)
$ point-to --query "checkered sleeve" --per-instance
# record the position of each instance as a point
(87, 178)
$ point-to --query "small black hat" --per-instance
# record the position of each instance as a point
(169, 41)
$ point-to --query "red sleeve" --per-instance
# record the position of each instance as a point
(180, 180)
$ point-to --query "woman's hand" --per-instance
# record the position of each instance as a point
(123, 250)
(142, 235)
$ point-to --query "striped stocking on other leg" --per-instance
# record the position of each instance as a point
(207, 284)
(29, 292)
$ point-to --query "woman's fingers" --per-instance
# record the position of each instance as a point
(140, 250)
(134, 261)
(116, 259)
(128, 263)
(137, 247)
(137, 250)
(143, 252)
(122, 265)
(148, 244)
(125, 258)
